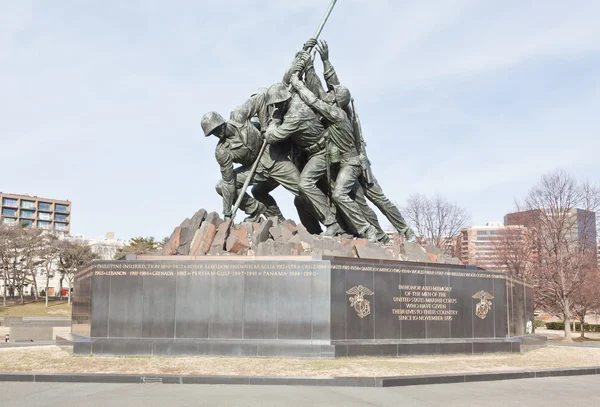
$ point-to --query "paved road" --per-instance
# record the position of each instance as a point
(560, 392)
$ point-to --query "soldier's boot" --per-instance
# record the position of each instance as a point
(370, 234)
(274, 211)
(409, 236)
(333, 230)
(258, 215)
(385, 239)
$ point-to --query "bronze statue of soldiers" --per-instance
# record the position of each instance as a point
(293, 119)
(240, 141)
(372, 190)
(342, 149)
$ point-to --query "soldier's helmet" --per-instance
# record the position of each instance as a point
(210, 121)
(277, 93)
(342, 95)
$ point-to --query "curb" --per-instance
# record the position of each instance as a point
(394, 381)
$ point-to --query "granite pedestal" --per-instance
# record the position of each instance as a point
(296, 307)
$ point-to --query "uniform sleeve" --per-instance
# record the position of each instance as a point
(225, 160)
(249, 109)
(330, 75)
(290, 71)
(278, 132)
(330, 112)
(313, 83)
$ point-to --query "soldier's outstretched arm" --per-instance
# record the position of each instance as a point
(277, 131)
(225, 160)
(332, 113)
(329, 73)
(293, 68)
(296, 65)
(313, 83)
(249, 109)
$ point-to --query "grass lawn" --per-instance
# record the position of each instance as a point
(36, 309)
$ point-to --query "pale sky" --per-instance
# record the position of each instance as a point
(100, 102)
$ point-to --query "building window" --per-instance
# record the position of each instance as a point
(44, 216)
(60, 218)
(9, 212)
(45, 206)
(26, 222)
(61, 208)
(482, 232)
(27, 214)
(42, 224)
(27, 204)
(60, 226)
(9, 221)
(9, 202)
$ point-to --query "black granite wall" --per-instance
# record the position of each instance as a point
(81, 306)
(409, 301)
(234, 299)
(297, 299)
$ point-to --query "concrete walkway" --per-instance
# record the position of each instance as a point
(549, 392)
(555, 338)
(60, 331)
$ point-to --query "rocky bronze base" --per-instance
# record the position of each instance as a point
(207, 234)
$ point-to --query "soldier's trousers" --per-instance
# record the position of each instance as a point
(344, 184)
(369, 214)
(283, 173)
(376, 195)
(315, 169)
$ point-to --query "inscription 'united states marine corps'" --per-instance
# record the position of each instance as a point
(484, 305)
(358, 300)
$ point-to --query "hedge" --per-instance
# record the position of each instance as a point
(560, 326)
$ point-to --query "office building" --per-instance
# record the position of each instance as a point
(36, 212)
(581, 225)
(483, 245)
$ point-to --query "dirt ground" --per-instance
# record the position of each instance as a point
(53, 359)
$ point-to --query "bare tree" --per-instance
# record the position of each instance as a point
(8, 254)
(515, 251)
(12, 241)
(435, 219)
(561, 212)
(49, 256)
(74, 254)
(587, 297)
(31, 245)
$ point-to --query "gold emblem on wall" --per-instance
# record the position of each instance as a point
(358, 300)
(484, 305)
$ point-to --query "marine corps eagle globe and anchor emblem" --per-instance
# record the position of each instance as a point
(358, 300)
(484, 305)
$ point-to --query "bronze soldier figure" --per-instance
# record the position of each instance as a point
(372, 190)
(292, 119)
(341, 144)
(239, 142)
